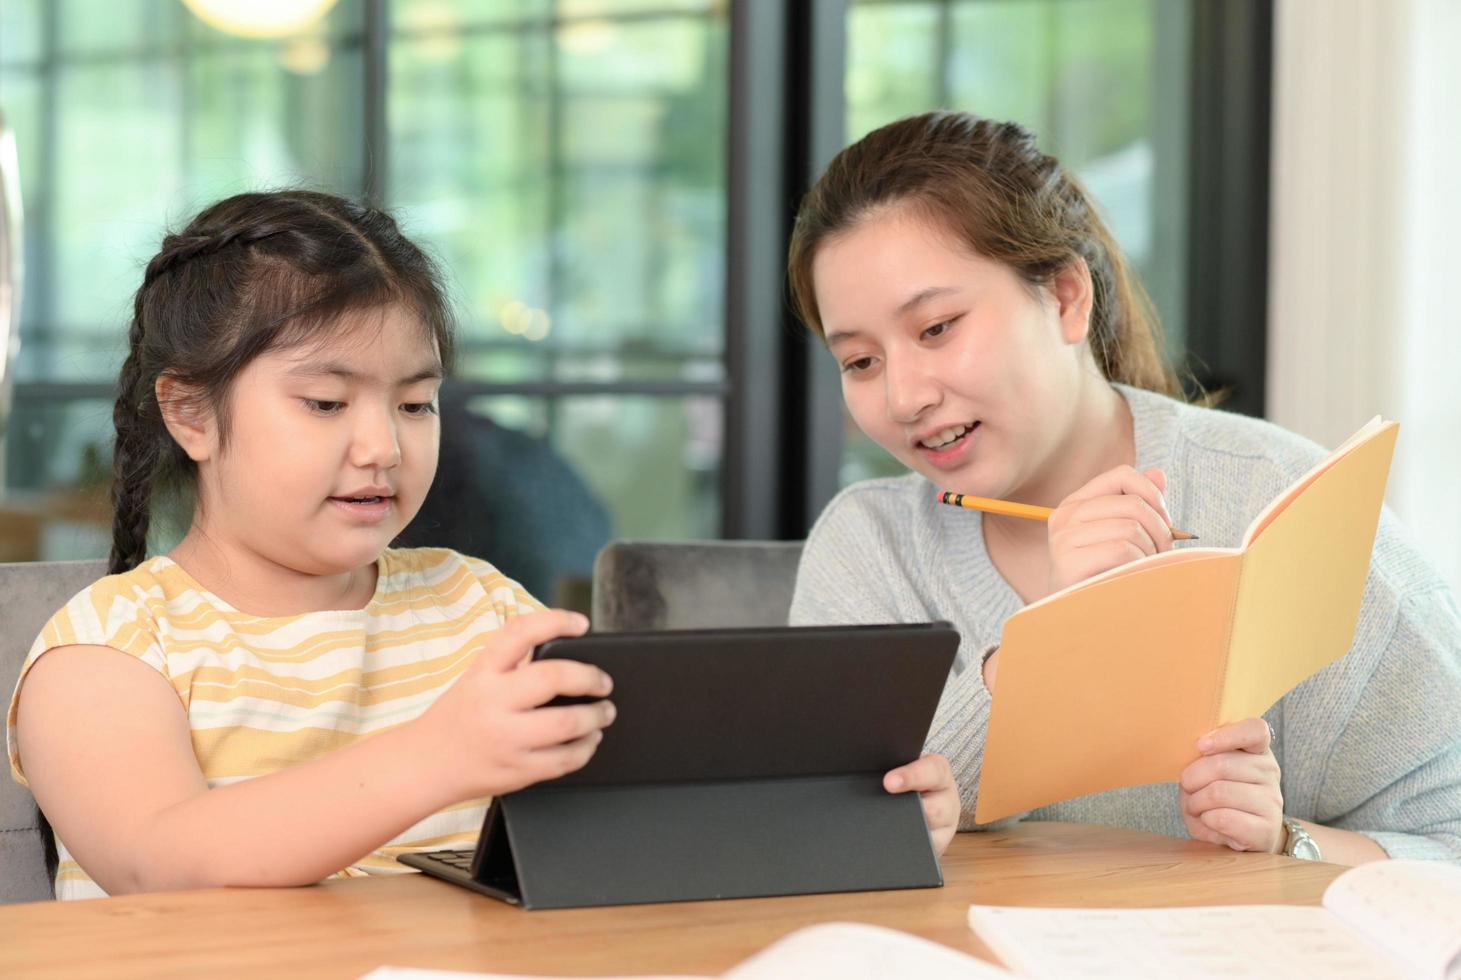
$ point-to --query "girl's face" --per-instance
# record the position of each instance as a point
(331, 447)
(950, 361)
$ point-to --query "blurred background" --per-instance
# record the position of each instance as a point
(609, 185)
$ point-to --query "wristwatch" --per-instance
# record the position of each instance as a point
(1299, 843)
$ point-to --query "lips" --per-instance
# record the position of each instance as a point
(940, 439)
(365, 509)
(367, 494)
(950, 446)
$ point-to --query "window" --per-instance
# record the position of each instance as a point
(576, 165)
(564, 161)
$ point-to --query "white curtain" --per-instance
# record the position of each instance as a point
(1365, 289)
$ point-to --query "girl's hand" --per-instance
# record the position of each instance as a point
(933, 780)
(1118, 517)
(1231, 795)
(489, 733)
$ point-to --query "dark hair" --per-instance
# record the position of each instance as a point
(990, 186)
(250, 274)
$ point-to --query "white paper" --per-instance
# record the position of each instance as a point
(1411, 908)
(1231, 942)
(1385, 919)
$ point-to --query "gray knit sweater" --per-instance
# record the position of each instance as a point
(1371, 743)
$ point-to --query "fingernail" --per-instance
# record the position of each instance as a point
(581, 621)
(606, 683)
(610, 712)
(895, 783)
(1204, 743)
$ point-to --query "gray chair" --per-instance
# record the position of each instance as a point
(661, 585)
(30, 592)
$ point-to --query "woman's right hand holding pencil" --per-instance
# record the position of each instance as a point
(491, 733)
(1116, 518)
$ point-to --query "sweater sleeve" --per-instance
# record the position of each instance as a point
(855, 570)
(1394, 771)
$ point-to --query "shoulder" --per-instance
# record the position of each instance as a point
(122, 611)
(1229, 467)
(1222, 468)
(1201, 442)
(443, 575)
(1224, 438)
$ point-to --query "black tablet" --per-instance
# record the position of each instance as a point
(741, 762)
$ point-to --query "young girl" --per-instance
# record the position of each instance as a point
(992, 339)
(283, 696)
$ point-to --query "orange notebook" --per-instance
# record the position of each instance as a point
(1111, 682)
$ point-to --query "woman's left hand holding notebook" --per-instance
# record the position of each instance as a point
(1231, 794)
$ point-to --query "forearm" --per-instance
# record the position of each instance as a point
(1344, 846)
(292, 827)
(960, 725)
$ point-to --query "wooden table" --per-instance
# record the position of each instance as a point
(347, 928)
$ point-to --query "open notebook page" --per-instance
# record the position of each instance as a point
(1379, 920)
(1410, 907)
(1266, 516)
(1228, 942)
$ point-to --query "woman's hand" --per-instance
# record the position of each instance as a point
(490, 731)
(1116, 518)
(933, 780)
(1231, 795)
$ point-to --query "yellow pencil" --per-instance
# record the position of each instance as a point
(1009, 508)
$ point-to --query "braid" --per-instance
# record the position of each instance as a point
(135, 455)
(140, 440)
(194, 242)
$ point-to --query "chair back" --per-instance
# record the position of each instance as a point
(30, 593)
(663, 585)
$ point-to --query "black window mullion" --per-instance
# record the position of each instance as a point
(375, 68)
(783, 410)
(817, 132)
(1227, 279)
(753, 480)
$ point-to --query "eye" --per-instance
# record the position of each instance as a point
(321, 407)
(419, 409)
(857, 365)
(938, 329)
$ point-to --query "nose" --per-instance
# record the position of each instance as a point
(910, 390)
(374, 443)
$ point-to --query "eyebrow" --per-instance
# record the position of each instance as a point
(334, 369)
(923, 296)
(911, 303)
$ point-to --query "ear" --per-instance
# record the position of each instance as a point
(1073, 295)
(187, 417)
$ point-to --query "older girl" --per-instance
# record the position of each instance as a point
(992, 338)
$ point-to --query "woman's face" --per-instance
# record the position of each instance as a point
(950, 361)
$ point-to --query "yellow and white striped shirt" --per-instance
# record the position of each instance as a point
(263, 693)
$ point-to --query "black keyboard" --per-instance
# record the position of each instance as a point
(456, 867)
(460, 860)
